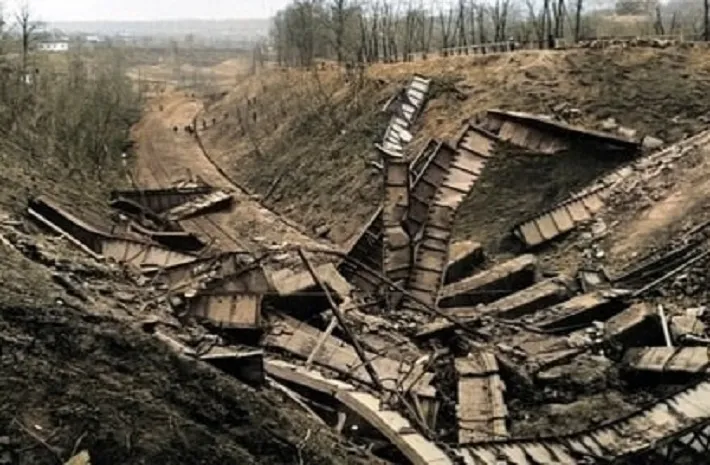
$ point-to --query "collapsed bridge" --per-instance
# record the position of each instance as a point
(359, 336)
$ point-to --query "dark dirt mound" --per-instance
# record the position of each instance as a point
(82, 382)
(517, 185)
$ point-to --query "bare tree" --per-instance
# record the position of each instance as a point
(340, 12)
(27, 28)
(499, 17)
(461, 39)
(578, 20)
(446, 19)
(706, 17)
(658, 24)
(559, 11)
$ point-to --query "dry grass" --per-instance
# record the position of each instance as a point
(315, 169)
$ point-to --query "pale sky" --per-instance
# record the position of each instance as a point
(137, 10)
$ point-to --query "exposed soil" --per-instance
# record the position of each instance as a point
(165, 157)
(515, 184)
(312, 162)
(87, 382)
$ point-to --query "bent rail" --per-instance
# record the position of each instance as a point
(397, 429)
(673, 418)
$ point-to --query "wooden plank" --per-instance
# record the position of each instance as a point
(487, 286)
(300, 339)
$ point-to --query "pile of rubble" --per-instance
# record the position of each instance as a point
(406, 341)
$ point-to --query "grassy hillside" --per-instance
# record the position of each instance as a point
(309, 147)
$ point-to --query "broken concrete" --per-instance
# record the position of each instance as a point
(495, 283)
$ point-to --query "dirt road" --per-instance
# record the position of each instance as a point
(166, 156)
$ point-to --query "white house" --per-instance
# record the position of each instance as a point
(54, 46)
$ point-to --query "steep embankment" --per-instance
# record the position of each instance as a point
(91, 383)
(76, 373)
(304, 140)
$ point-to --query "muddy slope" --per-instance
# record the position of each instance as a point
(78, 381)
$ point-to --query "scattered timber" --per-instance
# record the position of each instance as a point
(490, 285)
(397, 429)
(677, 419)
(481, 409)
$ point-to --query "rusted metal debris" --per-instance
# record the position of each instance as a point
(561, 219)
(101, 244)
(368, 246)
(142, 255)
(581, 310)
(178, 240)
(343, 325)
(87, 237)
(405, 112)
(207, 203)
(632, 327)
(396, 428)
(503, 311)
(582, 206)
(481, 409)
(298, 338)
(397, 256)
(516, 305)
(431, 256)
(464, 257)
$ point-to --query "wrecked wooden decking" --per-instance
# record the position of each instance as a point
(680, 415)
(481, 410)
(504, 310)
(397, 429)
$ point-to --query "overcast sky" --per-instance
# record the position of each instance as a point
(136, 10)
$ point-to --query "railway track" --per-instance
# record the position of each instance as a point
(397, 429)
(380, 244)
(652, 431)
(583, 205)
(431, 253)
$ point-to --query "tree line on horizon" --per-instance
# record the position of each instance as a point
(367, 31)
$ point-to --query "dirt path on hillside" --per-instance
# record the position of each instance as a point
(165, 157)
